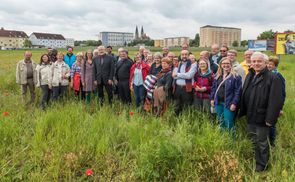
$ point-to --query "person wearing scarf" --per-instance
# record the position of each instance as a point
(163, 86)
(138, 74)
(202, 85)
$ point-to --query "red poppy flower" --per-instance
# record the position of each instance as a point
(5, 113)
(88, 172)
(131, 113)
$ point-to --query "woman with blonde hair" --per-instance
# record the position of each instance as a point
(225, 93)
(76, 83)
(59, 77)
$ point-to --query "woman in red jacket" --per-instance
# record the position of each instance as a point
(138, 73)
(203, 82)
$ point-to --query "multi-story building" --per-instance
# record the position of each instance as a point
(48, 40)
(115, 38)
(158, 43)
(210, 35)
(175, 41)
(12, 39)
(70, 42)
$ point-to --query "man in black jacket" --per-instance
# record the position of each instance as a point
(261, 102)
(122, 75)
(103, 74)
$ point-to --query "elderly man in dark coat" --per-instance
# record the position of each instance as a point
(261, 102)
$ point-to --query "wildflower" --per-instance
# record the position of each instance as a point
(5, 113)
(88, 172)
(131, 113)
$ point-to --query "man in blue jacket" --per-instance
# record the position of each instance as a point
(70, 58)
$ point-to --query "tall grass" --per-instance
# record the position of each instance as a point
(59, 144)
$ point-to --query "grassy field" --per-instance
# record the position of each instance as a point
(122, 144)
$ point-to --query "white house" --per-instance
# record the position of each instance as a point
(48, 40)
(70, 42)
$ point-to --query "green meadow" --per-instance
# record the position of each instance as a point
(123, 144)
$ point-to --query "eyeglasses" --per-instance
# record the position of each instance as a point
(222, 50)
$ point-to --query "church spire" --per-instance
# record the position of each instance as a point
(142, 32)
(136, 33)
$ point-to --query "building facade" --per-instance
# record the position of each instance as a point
(115, 38)
(70, 42)
(48, 40)
(12, 39)
(210, 35)
(158, 43)
(175, 41)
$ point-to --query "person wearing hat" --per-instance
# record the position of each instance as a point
(163, 86)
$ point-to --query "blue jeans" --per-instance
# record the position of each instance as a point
(225, 116)
(139, 94)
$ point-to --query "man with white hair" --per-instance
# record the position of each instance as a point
(261, 102)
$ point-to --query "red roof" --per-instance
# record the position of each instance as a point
(48, 36)
(12, 33)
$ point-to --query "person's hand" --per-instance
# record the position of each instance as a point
(110, 82)
(212, 103)
(65, 76)
(197, 88)
(174, 74)
(281, 112)
(50, 86)
(204, 89)
(233, 107)
(116, 82)
(72, 84)
(131, 88)
(95, 83)
(83, 84)
(268, 124)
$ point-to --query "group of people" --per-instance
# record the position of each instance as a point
(215, 82)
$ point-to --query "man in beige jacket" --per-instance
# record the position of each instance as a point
(26, 76)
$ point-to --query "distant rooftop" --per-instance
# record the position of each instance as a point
(12, 33)
(115, 32)
(48, 36)
(211, 26)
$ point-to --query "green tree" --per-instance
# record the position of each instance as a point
(244, 43)
(235, 44)
(196, 41)
(267, 35)
(27, 43)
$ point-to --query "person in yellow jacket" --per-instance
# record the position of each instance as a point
(247, 62)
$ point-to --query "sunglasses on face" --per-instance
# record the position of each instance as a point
(222, 50)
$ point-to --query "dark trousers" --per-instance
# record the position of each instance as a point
(124, 91)
(139, 93)
(182, 99)
(109, 89)
(259, 136)
(272, 135)
(80, 94)
(45, 96)
(59, 92)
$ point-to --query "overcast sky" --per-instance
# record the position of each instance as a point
(84, 19)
